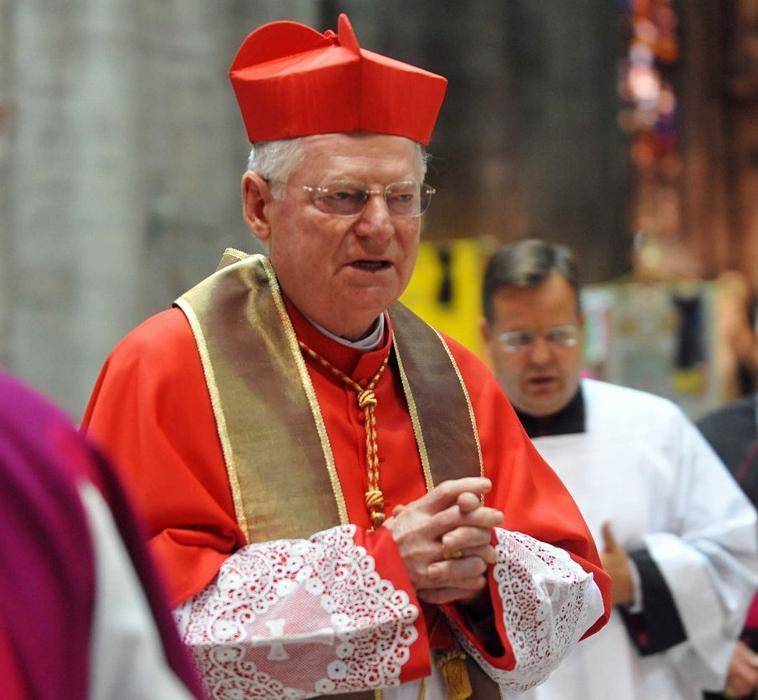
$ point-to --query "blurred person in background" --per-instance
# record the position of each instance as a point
(679, 537)
(310, 464)
(737, 350)
(82, 614)
(733, 432)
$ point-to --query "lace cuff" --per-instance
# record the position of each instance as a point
(298, 618)
(546, 603)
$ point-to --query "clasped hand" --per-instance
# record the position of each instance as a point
(444, 540)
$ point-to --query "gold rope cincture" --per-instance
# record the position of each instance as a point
(452, 665)
(373, 498)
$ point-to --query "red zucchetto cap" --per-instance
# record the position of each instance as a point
(292, 81)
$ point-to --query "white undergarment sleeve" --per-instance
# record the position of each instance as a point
(126, 656)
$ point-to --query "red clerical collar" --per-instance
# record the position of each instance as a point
(361, 365)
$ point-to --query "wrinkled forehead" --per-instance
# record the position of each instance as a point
(368, 158)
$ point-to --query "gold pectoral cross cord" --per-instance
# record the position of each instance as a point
(373, 498)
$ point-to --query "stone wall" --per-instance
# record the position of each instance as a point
(126, 149)
(6, 50)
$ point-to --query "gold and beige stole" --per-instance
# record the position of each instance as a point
(278, 457)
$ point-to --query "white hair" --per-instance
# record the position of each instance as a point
(275, 160)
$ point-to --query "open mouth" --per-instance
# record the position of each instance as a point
(370, 265)
(539, 382)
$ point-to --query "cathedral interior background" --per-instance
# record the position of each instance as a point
(627, 130)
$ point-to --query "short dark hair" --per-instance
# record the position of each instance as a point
(525, 264)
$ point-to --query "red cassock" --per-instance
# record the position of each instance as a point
(151, 410)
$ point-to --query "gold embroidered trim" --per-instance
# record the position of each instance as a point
(310, 392)
(235, 253)
(468, 402)
(415, 422)
(226, 446)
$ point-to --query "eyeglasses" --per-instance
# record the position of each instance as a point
(342, 198)
(566, 336)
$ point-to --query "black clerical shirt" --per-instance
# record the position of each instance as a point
(570, 419)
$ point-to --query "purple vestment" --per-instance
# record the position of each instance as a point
(47, 568)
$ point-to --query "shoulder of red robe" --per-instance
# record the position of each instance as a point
(291, 80)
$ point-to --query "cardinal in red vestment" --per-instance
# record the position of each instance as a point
(341, 498)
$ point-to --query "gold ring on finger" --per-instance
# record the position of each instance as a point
(451, 554)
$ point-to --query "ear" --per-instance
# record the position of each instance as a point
(484, 329)
(255, 196)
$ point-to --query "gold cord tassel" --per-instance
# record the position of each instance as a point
(452, 665)
(374, 498)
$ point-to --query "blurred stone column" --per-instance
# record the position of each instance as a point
(127, 155)
(569, 150)
(6, 113)
(527, 142)
(742, 115)
(76, 189)
(197, 148)
(705, 205)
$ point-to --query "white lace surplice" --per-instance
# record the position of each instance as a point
(294, 618)
(301, 618)
(548, 603)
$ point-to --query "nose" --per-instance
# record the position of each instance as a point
(375, 220)
(540, 351)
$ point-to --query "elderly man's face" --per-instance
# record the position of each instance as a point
(343, 271)
(543, 376)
